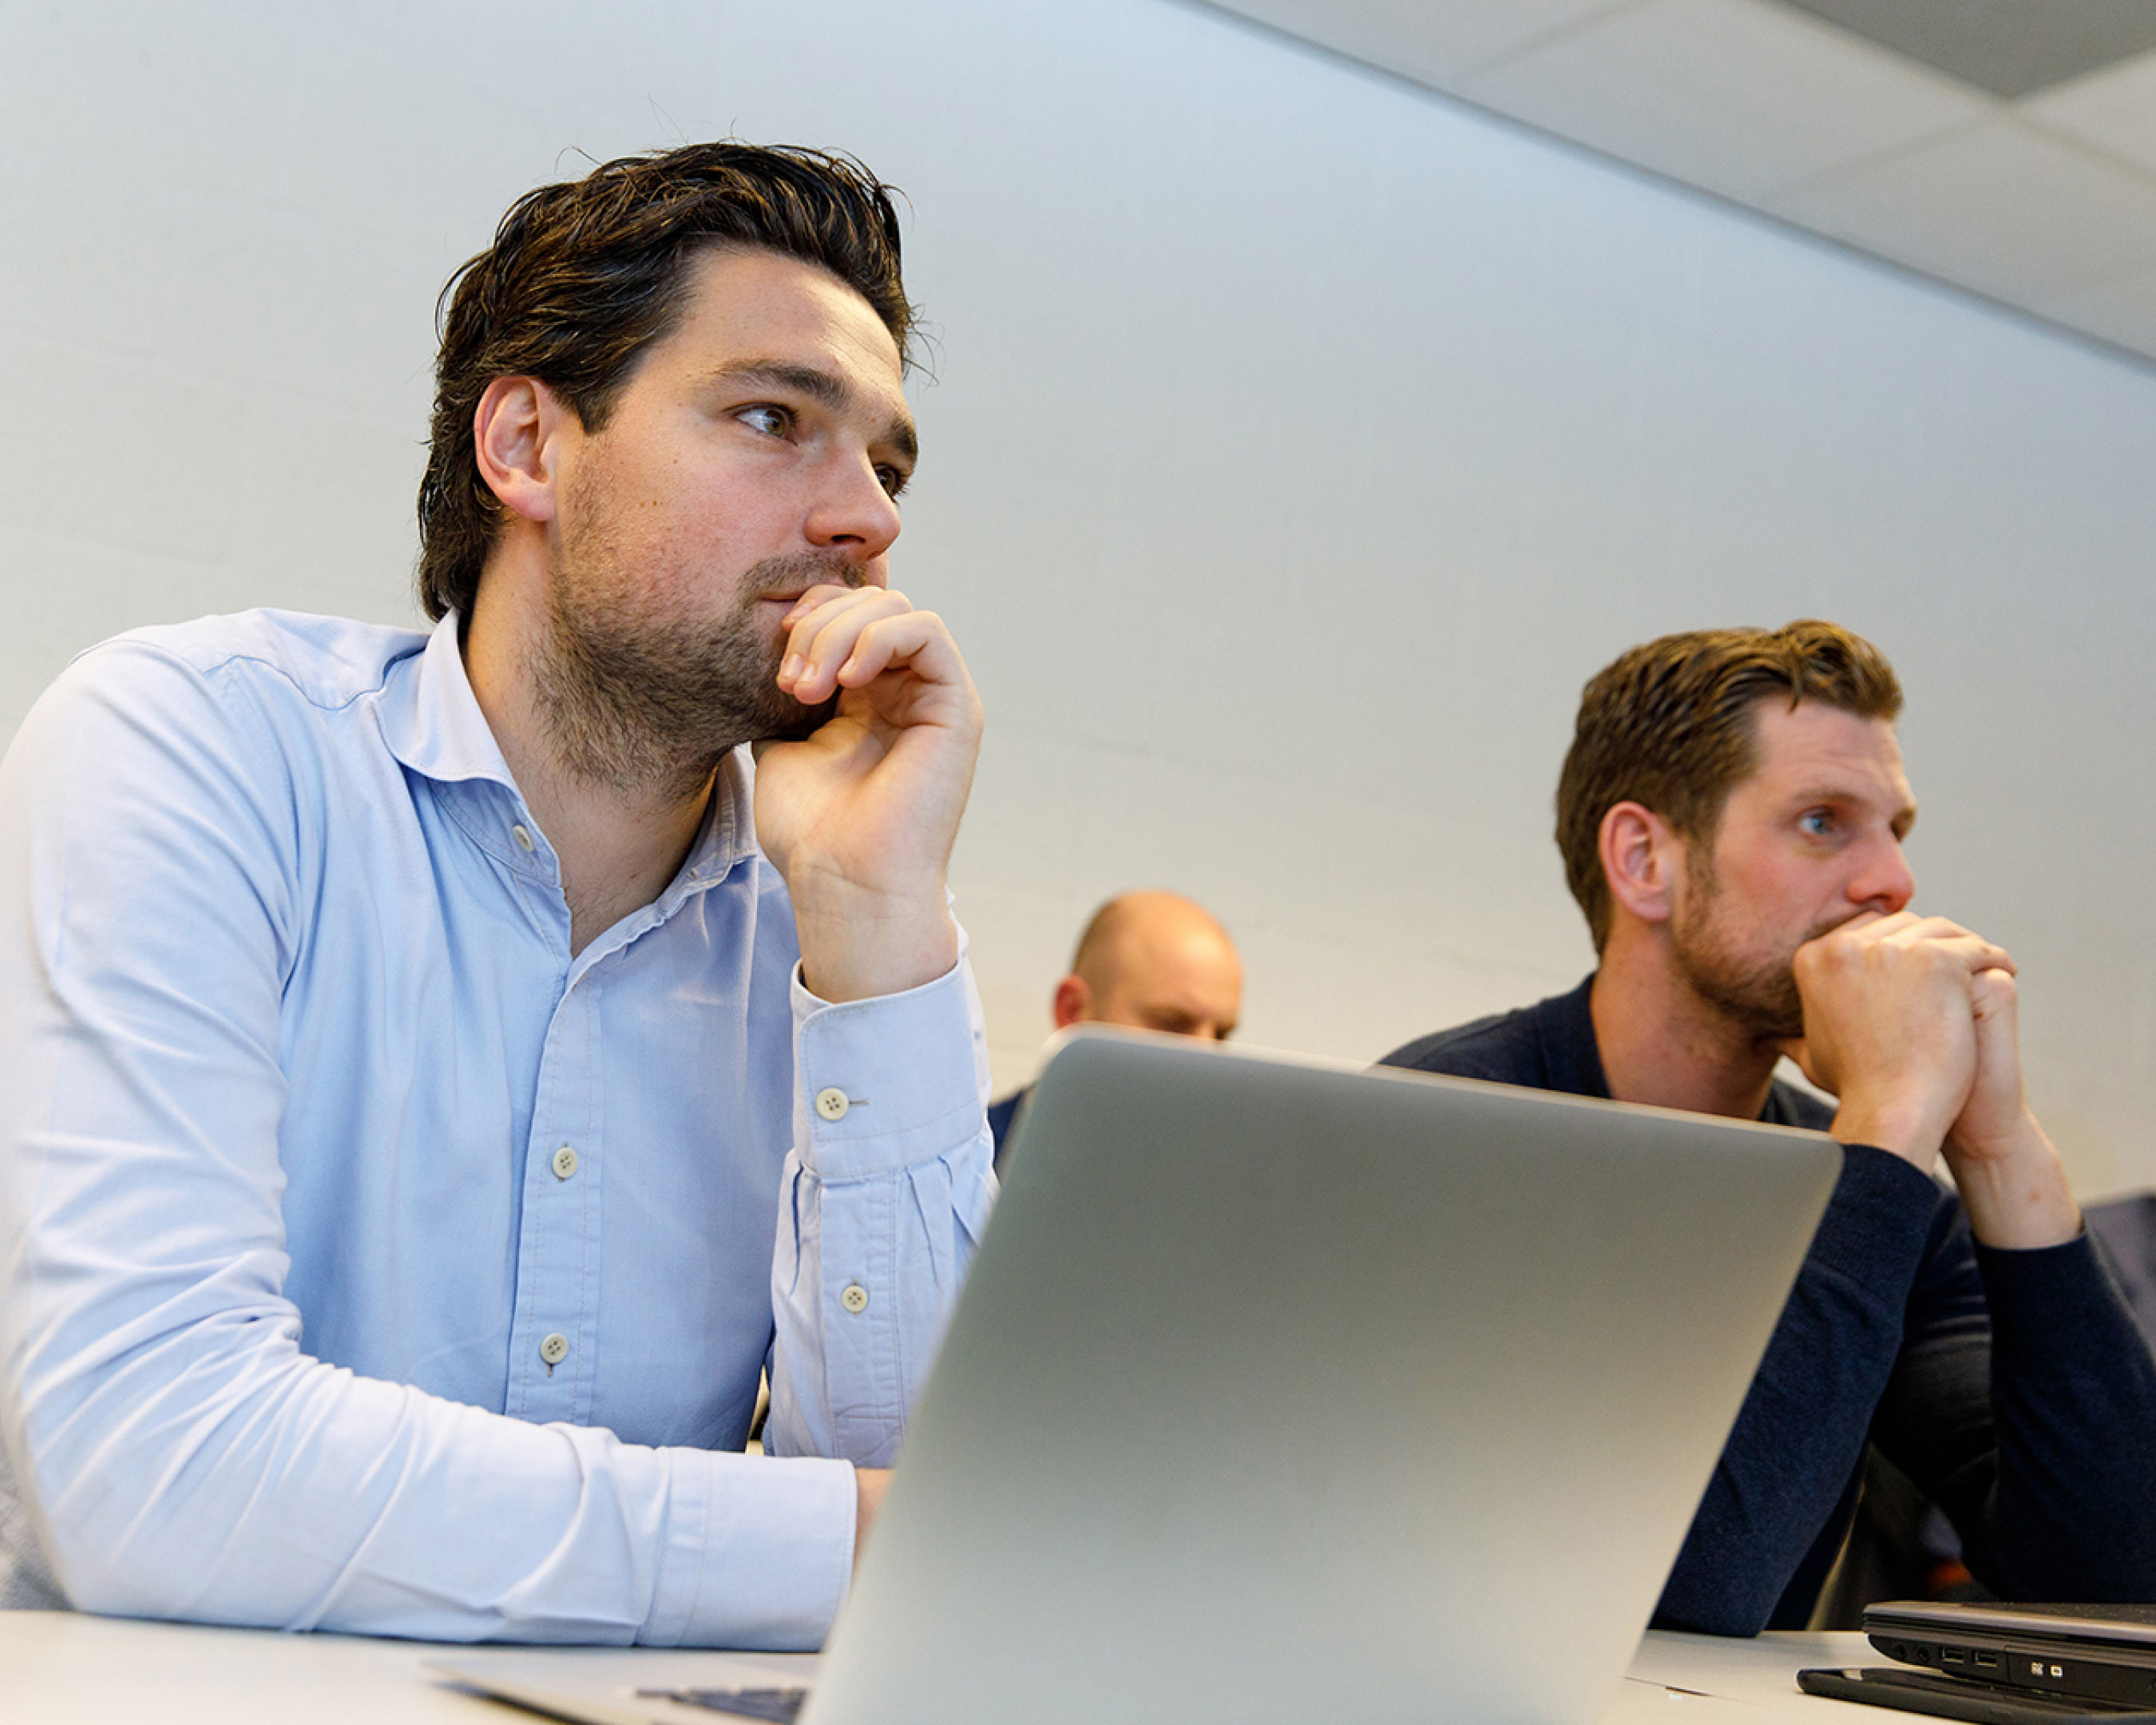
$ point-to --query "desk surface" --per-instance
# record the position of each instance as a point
(57, 1666)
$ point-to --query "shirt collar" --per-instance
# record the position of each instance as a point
(728, 834)
(432, 723)
(431, 720)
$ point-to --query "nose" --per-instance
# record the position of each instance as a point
(854, 516)
(1884, 881)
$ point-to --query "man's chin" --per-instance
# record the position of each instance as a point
(1761, 1001)
(804, 720)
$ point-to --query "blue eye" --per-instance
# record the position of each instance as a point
(1817, 822)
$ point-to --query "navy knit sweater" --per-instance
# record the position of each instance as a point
(2013, 1387)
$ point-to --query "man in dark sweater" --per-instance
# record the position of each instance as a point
(1731, 814)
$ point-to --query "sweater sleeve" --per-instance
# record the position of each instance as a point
(2026, 1406)
(1802, 1429)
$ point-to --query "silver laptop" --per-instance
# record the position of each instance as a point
(1283, 1392)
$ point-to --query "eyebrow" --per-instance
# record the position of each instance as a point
(1823, 794)
(820, 386)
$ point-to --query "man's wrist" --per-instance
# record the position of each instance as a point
(2015, 1188)
(870, 1485)
(1906, 1127)
(859, 943)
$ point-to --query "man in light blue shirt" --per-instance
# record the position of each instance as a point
(438, 1072)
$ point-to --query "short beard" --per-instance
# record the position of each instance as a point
(651, 708)
(1758, 996)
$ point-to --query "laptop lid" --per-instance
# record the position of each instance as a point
(1280, 1391)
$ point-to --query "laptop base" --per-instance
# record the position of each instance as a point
(1961, 1698)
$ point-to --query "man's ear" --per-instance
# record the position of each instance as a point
(517, 431)
(1073, 1002)
(1642, 859)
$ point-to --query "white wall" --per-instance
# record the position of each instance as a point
(1299, 444)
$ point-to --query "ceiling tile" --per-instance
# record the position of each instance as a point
(2009, 46)
(2115, 111)
(2121, 311)
(2003, 208)
(1732, 95)
(2048, 203)
(1433, 41)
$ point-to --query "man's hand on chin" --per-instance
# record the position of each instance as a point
(1889, 1027)
(859, 817)
(1911, 1021)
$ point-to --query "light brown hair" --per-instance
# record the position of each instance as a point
(584, 277)
(1673, 726)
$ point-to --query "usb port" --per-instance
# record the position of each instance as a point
(1987, 1660)
(1952, 1655)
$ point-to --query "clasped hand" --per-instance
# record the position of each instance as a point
(1911, 1022)
(860, 816)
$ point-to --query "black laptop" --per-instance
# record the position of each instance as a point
(2006, 1665)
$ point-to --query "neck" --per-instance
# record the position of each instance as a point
(618, 844)
(1661, 1045)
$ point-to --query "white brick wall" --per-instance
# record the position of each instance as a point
(1299, 444)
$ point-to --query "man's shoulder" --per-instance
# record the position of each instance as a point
(327, 662)
(1505, 1048)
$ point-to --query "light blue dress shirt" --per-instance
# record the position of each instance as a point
(367, 1262)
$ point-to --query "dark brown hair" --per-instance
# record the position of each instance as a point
(1672, 726)
(582, 277)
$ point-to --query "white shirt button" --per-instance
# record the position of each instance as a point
(565, 1162)
(554, 1349)
(853, 1298)
(831, 1103)
(522, 835)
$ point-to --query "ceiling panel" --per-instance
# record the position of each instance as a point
(2115, 111)
(2047, 204)
(1734, 95)
(2007, 47)
(2004, 208)
(1432, 41)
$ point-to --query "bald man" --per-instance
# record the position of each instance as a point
(1154, 960)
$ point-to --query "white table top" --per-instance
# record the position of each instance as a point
(58, 1666)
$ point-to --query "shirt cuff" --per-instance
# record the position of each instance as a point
(759, 1553)
(884, 1083)
(1878, 1221)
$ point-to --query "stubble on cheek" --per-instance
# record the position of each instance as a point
(1752, 987)
(644, 694)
